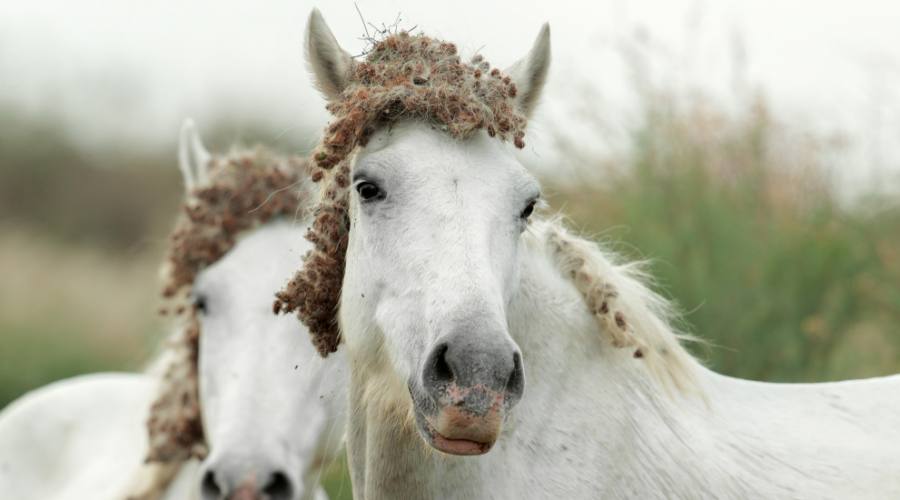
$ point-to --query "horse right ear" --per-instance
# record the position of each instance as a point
(331, 65)
(193, 158)
(530, 73)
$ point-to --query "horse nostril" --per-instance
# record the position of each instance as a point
(209, 488)
(439, 370)
(515, 385)
(279, 487)
(234, 479)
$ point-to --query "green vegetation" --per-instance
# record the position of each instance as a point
(747, 235)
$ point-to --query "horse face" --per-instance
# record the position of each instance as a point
(263, 389)
(432, 259)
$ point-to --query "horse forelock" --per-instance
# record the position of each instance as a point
(246, 189)
(403, 77)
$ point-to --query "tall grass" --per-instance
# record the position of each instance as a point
(70, 309)
(748, 234)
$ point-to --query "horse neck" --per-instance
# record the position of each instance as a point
(605, 402)
(583, 398)
(701, 433)
(597, 422)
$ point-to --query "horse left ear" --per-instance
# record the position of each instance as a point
(330, 64)
(530, 72)
(193, 158)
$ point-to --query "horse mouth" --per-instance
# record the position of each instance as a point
(452, 445)
(458, 425)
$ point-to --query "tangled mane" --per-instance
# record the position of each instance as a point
(246, 190)
(403, 77)
(626, 310)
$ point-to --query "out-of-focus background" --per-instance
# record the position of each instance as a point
(750, 149)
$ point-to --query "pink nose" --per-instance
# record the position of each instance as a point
(247, 491)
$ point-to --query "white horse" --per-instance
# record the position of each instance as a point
(273, 411)
(454, 295)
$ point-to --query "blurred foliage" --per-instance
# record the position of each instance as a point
(111, 199)
(747, 234)
(67, 309)
(336, 480)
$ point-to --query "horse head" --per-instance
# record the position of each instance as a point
(424, 204)
(268, 407)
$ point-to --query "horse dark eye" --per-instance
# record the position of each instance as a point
(200, 304)
(528, 210)
(369, 191)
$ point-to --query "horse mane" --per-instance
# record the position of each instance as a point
(246, 189)
(175, 426)
(627, 311)
(403, 77)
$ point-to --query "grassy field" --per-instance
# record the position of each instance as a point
(782, 279)
(746, 232)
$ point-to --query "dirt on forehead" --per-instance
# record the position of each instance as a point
(246, 190)
(403, 77)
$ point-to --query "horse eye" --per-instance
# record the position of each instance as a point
(200, 304)
(369, 191)
(528, 210)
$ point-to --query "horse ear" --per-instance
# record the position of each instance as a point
(193, 158)
(530, 72)
(330, 64)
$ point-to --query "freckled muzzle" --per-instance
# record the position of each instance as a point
(470, 383)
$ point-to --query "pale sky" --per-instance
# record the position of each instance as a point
(131, 70)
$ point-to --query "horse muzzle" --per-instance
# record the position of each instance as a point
(470, 383)
(235, 480)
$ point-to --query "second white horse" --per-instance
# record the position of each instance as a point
(235, 380)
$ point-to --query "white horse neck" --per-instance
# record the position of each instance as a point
(596, 423)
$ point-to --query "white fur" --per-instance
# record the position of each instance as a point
(443, 248)
(78, 438)
(269, 401)
(326, 59)
(530, 73)
(193, 158)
